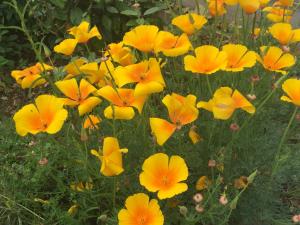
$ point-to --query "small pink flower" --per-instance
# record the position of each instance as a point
(198, 198)
(234, 127)
(199, 208)
(211, 163)
(223, 199)
(296, 218)
(43, 161)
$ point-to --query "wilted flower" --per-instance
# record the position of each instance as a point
(141, 37)
(140, 210)
(123, 101)
(194, 136)
(225, 101)
(181, 110)
(30, 77)
(202, 183)
(292, 89)
(274, 59)
(111, 158)
(189, 23)
(78, 96)
(164, 175)
(208, 60)
(46, 115)
(241, 182)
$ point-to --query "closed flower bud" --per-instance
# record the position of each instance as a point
(296, 218)
(255, 78)
(199, 208)
(102, 218)
(285, 48)
(223, 200)
(183, 210)
(251, 97)
(198, 198)
(211, 163)
(234, 127)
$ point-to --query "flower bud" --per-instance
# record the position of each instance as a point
(198, 198)
(223, 200)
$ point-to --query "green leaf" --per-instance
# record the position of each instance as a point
(251, 177)
(112, 9)
(76, 16)
(59, 3)
(130, 12)
(153, 10)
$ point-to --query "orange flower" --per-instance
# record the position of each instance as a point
(72, 69)
(194, 136)
(163, 175)
(141, 211)
(238, 57)
(101, 74)
(292, 88)
(82, 33)
(225, 101)
(46, 115)
(286, 3)
(203, 183)
(91, 122)
(274, 59)
(277, 14)
(122, 101)
(141, 37)
(111, 159)
(171, 45)
(284, 33)
(146, 74)
(31, 77)
(250, 6)
(66, 47)
(78, 96)
(208, 60)
(216, 7)
(189, 23)
(120, 54)
(181, 110)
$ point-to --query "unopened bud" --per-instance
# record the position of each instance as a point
(198, 198)
(223, 200)
(234, 127)
(183, 210)
(199, 208)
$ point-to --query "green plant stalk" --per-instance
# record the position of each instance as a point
(209, 85)
(282, 140)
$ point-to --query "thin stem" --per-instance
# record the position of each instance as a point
(208, 85)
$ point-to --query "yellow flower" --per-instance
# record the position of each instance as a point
(274, 59)
(120, 54)
(194, 136)
(31, 77)
(181, 110)
(263, 3)
(208, 60)
(140, 210)
(276, 13)
(224, 102)
(171, 45)
(82, 33)
(284, 33)
(163, 175)
(66, 47)
(91, 122)
(189, 23)
(146, 74)
(46, 115)
(292, 89)
(99, 74)
(82, 186)
(250, 6)
(72, 69)
(111, 159)
(257, 32)
(141, 37)
(286, 3)
(238, 57)
(123, 101)
(73, 209)
(203, 183)
(78, 96)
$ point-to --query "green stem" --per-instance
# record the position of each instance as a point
(208, 85)
(282, 140)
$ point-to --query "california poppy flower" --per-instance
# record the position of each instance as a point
(171, 45)
(203, 183)
(292, 89)
(250, 6)
(217, 7)
(164, 175)
(120, 54)
(72, 68)
(274, 59)
(141, 37)
(181, 110)
(110, 157)
(30, 77)
(66, 47)
(278, 14)
(91, 122)
(194, 136)
(286, 3)
(123, 101)
(140, 210)
(189, 23)
(78, 96)
(208, 60)
(45, 115)
(284, 33)
(146, 74)
(100, 74)
(224, 102)
(238, 57)
(82, 33)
